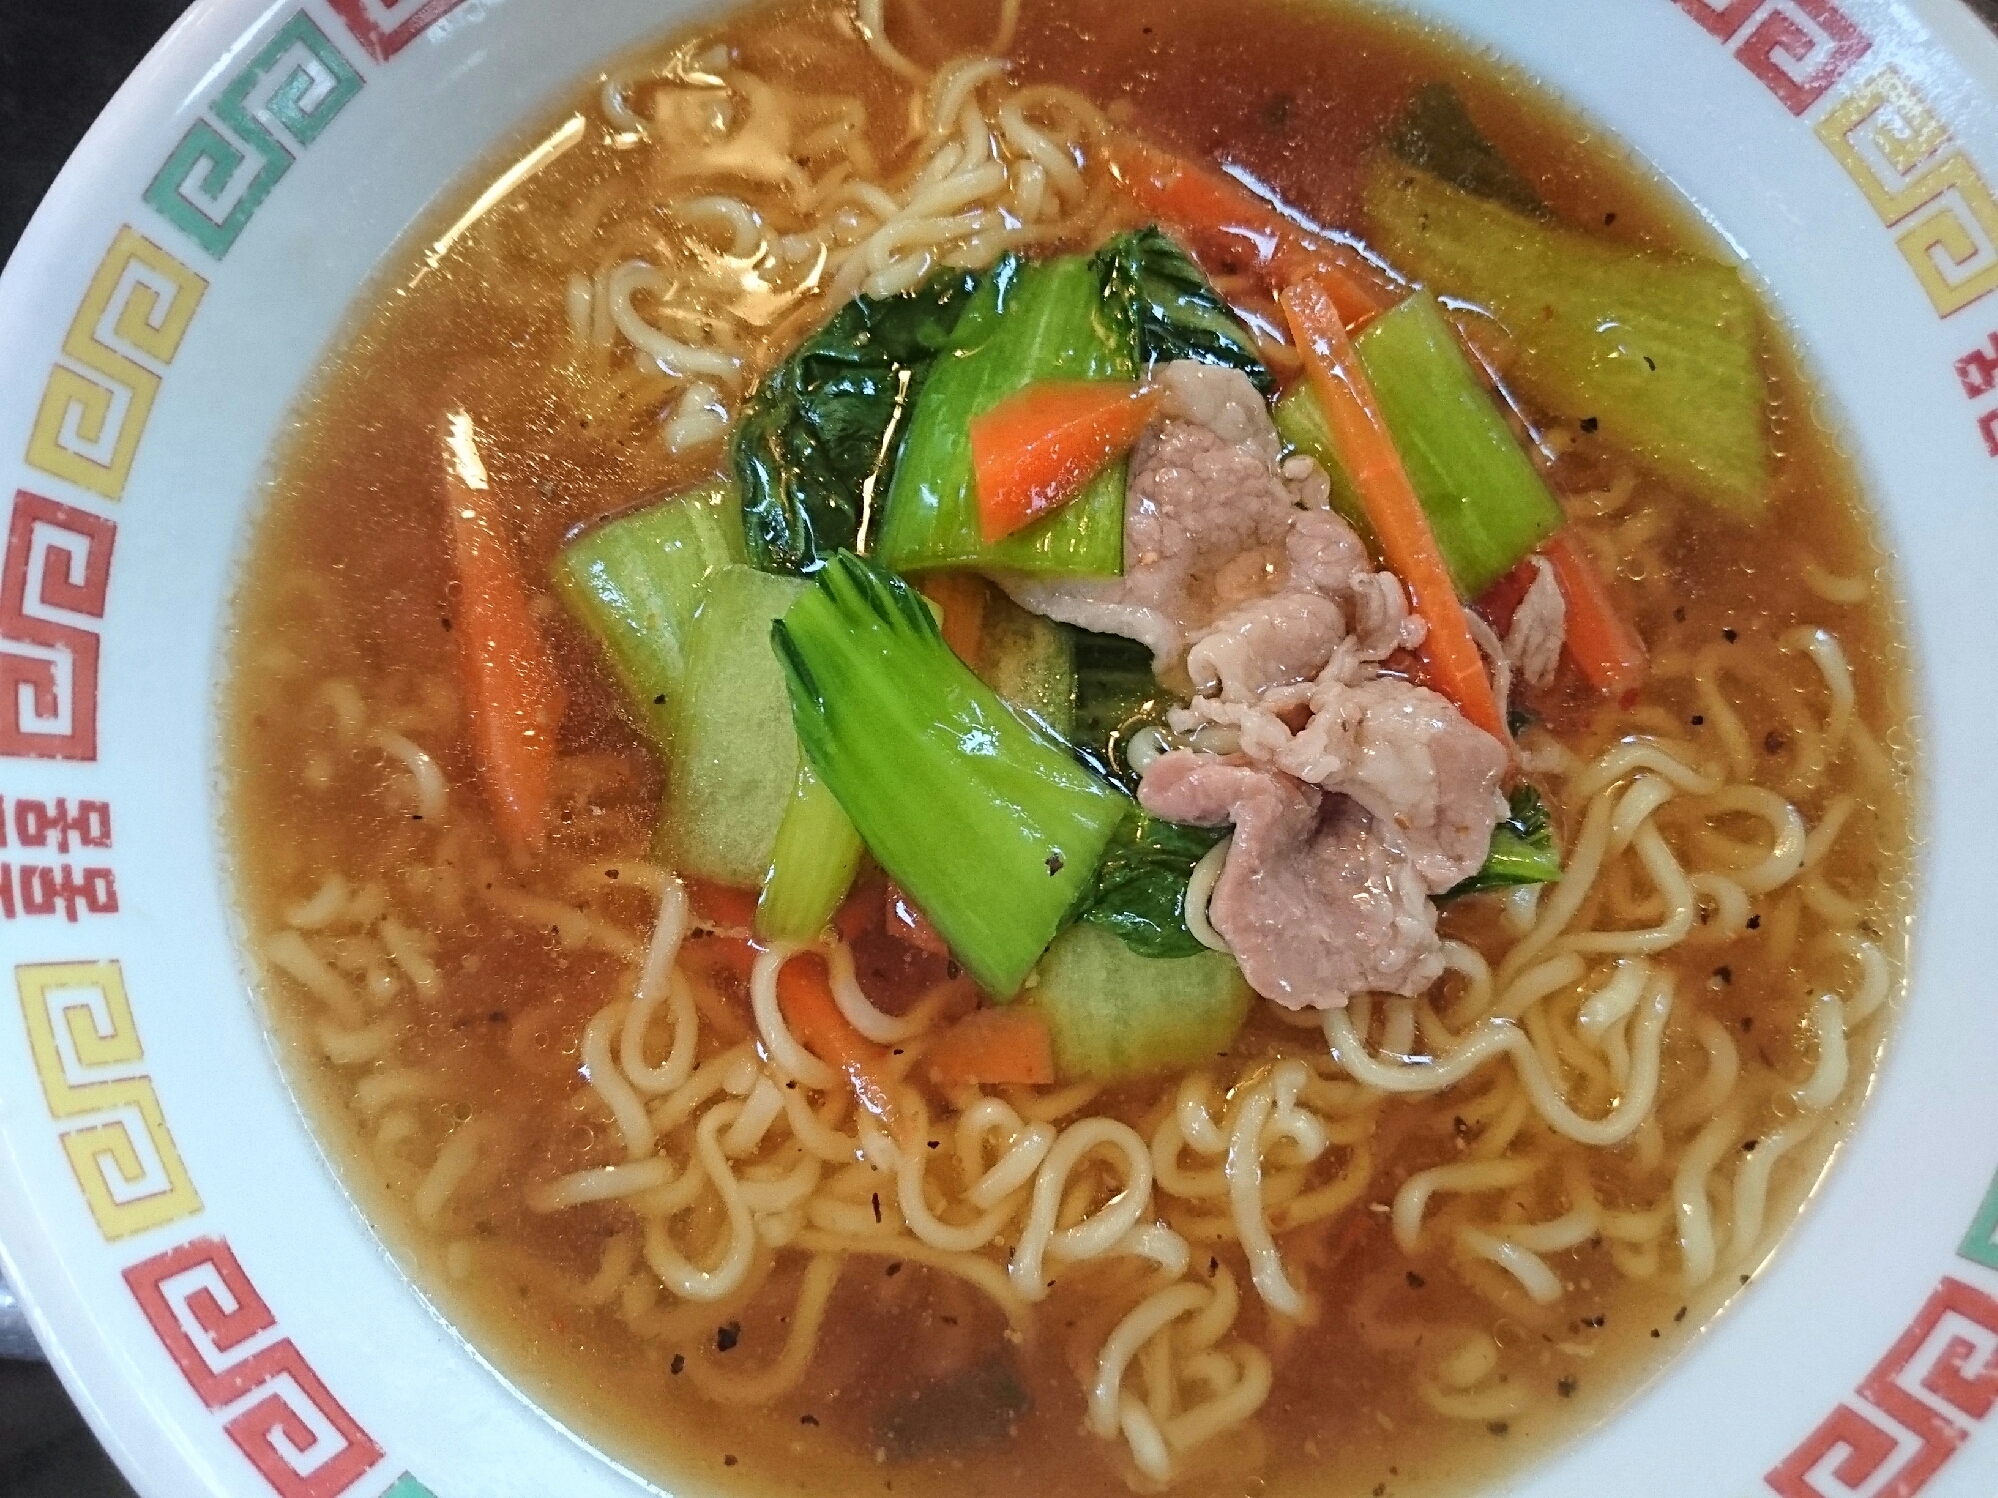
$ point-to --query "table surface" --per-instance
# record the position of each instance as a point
(59, 65)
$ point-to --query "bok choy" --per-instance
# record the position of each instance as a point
(982, 815)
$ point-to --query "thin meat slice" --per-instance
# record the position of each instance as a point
(1208, 509)
(1539, 627)
(1314, 901)
(1404, 753)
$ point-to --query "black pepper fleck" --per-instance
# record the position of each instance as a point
(1649, 362)
(728, 1461)
(1729, 635)
(894, 1268)
(1748, 1146)
(727, 1336)
(1415, 1281)
(1498, 1427)
(1774, 742)
(1679, 615)
(660, 700)
(1566, 1387)
(1747, 1023)
(808, 1419)
(679, 1363)
(1654, 1331)
(1680, 1314)
(877, 1206)
(1755, 923)
(1608, 219)
(1054, 863)
(1699, 719)
(1724, 973)
(1589, 423)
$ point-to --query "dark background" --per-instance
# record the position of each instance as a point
(60, 62)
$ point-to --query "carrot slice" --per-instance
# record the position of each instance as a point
(1034, 451)
(994, 1048)
(804, 993)
(516, 699)
(1235, 223)
(1600, 642)
(722, 904)
(960, 596)
(1450, 658)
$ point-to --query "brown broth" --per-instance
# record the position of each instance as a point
(348, 581)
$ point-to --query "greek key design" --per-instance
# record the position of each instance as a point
(385, 27)
(1912, 1413)
(227, 1344)
(1797, 48)
(96, 405)
(54, 580)
(291, 91)
(86, 1050)
(1897, 150)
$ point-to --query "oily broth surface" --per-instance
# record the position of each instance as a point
(348, 581)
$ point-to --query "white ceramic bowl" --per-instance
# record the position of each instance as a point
(219, 1308)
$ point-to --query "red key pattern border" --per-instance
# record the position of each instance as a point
(385, 27)
(73, 585)
(219, 1332)
(1912, 1413)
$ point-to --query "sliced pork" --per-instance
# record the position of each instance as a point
(1539, 627)
(1207, 512)
(1316, 903)
(1355, 796)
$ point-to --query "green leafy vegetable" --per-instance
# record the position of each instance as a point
(812, 864)
(1141, 884)
(1436, 133)
(635, 582)
(1658, 351)
(1172, 310)
(1028, 660)
(1522, 850)
(1116, 694)
(733, 767)
(1486, 503)
(980, 813)
(1114, 1013)
(1027, 322)
(818, 439)
(1140, 890)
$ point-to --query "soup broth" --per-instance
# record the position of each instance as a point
(442, 1004)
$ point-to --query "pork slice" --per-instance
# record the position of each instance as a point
(1313, 901)
(1425, 773)
(1539, 626)
(1406, 754)
(1206, 513)
(1272, 642)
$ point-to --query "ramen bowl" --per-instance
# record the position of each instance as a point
(195, 1267)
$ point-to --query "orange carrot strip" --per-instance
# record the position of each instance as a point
(516, 699)
(1034, 451)
(1450, 658)
(960, 596)
(1600, 642)
(805, 995)
(1239, 224)
(994, 1048)
(722, 904)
